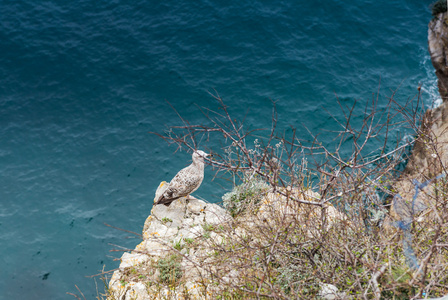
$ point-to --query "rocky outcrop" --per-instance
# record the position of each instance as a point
(438, 46)
(430, 152)
(167, 252)
(424, 167)
(178, 254)
(186, 242)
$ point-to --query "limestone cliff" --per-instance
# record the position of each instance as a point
(178, 253)
(438, 49)
(177, 258)
(152, 268)
(429, 155)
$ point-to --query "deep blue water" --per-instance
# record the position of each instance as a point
(83, 82)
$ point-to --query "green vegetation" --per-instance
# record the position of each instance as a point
(166, 220)
(178, 245)
(189, 241)
(208, 227)
(309, 214)
(245, 195)
(169, 269)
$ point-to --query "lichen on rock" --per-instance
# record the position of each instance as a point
(163, 264)
(189, 246)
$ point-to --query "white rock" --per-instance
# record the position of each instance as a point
(157, 248)
(196, 206)
(137, 291)
(173, 214)
(195, 290)
(215, 214)
(167, 225)
(132, 259)
(159, 230)
(192, 232)
(329, 291)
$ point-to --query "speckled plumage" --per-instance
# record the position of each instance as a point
(186, 180)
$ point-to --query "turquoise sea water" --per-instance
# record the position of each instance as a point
(83, 82)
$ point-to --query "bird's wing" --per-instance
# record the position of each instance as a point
(183, 184)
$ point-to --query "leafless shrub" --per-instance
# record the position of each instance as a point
(308, 214)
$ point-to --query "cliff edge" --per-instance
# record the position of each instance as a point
(168, 252)
(438, 49)
(189, 247)
(192, 249)
(430, 153)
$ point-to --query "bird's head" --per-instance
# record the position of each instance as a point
(199, 155)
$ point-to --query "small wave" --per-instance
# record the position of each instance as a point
(429, 87)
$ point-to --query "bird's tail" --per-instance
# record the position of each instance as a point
(163, 200)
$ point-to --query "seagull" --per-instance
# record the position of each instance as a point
(186, 180)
